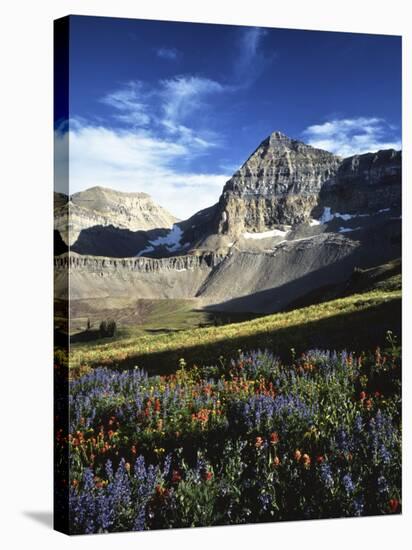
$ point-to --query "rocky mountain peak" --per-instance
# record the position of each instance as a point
(278, 139)
(280, 142)
(278, 184)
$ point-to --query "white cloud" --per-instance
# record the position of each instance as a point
(130, 160)
(167, 107)
(251, 60)
(171, 54)
(181, 97)
(352, 136)
(129, 104)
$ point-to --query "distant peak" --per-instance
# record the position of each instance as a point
(99, 190)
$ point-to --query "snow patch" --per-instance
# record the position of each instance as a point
(265, 234)
(348, 229)
(314, 222)
(327, 216)
(382, 210)
(171, 241)
(344, 217)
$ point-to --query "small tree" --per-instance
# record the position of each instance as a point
(111, 328)
(103, 329)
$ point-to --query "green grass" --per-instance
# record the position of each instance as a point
(142, 318)
(354, 322)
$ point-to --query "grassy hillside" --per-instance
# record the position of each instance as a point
(355, 322)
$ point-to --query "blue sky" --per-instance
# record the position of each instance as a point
(174, 109)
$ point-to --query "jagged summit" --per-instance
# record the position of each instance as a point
(281, 142)
(278, 138)
(286, 173)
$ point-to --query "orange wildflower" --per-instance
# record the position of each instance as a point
(297, 455)
(274, 438)
(306, 460)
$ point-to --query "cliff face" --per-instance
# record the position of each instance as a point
(92, 277)
(104, 207)
(365, 184)
(75, 262)
(279, 184)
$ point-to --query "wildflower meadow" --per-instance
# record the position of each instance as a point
(250, 439)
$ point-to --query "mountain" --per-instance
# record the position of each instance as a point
(292, 220)
(279, 184)
(101, 207)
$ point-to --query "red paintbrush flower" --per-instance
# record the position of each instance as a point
(176, 477)
(208, 475)
(274, 438)
(393, 505)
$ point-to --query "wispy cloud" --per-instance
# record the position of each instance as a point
(251, 58)
(351, 136)
(130, 160)
(129, 104)
(167, 107)
(182, 96)
(171, 54)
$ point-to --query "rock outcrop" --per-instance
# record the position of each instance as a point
(279, 184)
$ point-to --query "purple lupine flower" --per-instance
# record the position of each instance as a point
(167, 465)
(358, 505)
(348, 484)
(383, 487)
(326, 475)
